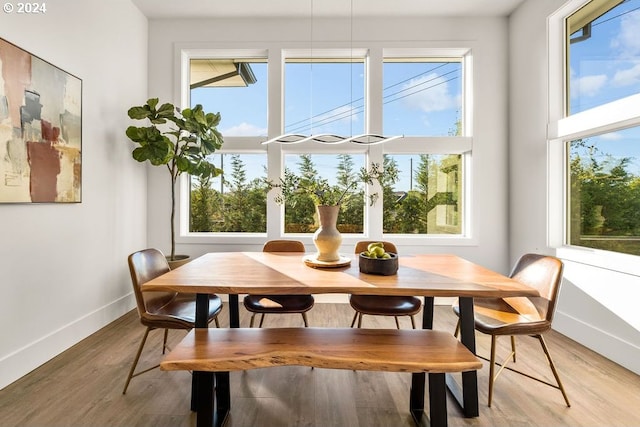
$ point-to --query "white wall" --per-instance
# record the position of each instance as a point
(486, 36)
(63, 267)
(597, 306)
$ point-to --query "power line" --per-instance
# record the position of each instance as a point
(304, 123)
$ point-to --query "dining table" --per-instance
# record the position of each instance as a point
(279, 273)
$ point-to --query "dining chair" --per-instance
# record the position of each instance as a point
(279, 304)
(377, 305)
(161, 310)
(514, 316)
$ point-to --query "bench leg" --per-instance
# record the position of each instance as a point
(416, 397)
(438, 400)
(204, 404)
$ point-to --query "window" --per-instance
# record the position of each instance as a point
(423, 196)
(599, 128)
(236, 201)
(604, 191)
(235, 87)
(603, 47)
(422, 97)
(339, 171)
(339, 92)
(324, 96)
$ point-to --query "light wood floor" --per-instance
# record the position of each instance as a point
(83, 386)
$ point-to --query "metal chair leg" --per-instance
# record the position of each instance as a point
(513, 347)
(253, 316)
(397, 323)
(261, 320)
(304, 318)
(413, 322)
(457, 331)
(135, 360)
(355, 316)
(360, 320)
(553, 369)
(492, 366)
(164, 341)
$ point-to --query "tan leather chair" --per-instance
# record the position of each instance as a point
(522, 315)
(161, 310)
(279, 304)
(377, 305)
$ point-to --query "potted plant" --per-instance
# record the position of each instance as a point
(178, 140)
(327, 199)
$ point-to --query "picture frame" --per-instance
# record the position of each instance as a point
(40, 130)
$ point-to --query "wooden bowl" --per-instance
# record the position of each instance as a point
(379, 266)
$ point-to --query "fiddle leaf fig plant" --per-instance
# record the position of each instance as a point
(178, 140)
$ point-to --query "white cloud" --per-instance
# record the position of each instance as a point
(588, 85)
(244, 129)
(628, 42)
(430, 93)
(627, 77)
(612, 136)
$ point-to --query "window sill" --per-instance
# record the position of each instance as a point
(621, 263)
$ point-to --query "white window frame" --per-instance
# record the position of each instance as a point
(609, 117)
(276, 56)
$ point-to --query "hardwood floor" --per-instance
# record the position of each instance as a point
(83, 386)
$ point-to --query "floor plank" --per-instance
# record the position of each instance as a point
(83, 386)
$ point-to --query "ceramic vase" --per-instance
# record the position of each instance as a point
(327, 238)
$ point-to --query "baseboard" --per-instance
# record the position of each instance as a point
(22, 361)
(613, 348)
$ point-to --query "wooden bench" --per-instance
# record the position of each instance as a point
(416, 351)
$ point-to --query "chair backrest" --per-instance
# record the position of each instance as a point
(283, 246)
(145, 265)
(544, 273)
(362, 246)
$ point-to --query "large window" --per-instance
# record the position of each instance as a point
(600, 129)
(338, 92)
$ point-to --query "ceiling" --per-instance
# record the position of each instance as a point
(155, 9)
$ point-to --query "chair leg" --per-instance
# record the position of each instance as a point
(492, 365)
(457, 331)
(355, 317)
(135, 360)
(413, 322)
(553, 369)
(397, 323)
(253, 316)
(304, 319)
(261, 320)
(164, 341)
(513, 347)
(360, 320)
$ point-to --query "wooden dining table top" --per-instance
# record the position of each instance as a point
(433, 275)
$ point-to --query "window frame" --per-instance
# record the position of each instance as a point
(276, 57)
(562, 129)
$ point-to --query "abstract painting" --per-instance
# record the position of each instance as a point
(40, 130)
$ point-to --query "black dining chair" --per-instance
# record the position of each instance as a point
(377, 305)
(279, 304)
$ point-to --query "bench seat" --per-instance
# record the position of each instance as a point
(389, 350)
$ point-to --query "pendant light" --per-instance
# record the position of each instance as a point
(326, 138)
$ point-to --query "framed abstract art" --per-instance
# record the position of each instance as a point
(40, 130)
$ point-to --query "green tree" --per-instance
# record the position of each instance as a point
(245, 202)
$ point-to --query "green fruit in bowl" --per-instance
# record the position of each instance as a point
(373, 245)
(378, 251)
